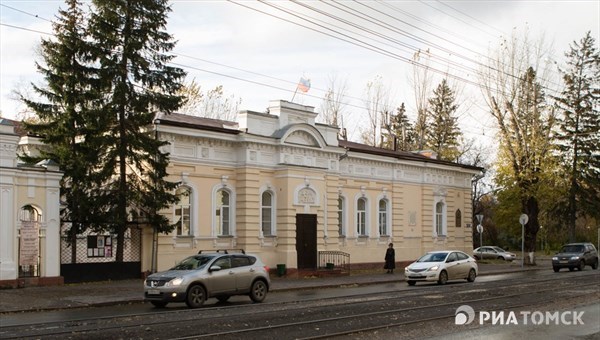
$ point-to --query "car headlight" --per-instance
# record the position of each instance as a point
(432, 269)
(574, 257)
(406, 270)
(554, 258)
(175, 282)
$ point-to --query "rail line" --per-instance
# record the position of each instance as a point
(85, 327)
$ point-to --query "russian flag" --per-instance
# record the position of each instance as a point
(304, 84)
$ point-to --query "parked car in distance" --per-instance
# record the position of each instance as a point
(493, 252)
(218, 274)
(442, 266)
(575, 255)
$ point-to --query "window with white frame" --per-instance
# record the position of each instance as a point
(440, 228)
(341, 213)
(361, 217)
(183, 211)
(266, 214)
(223, 213)
(383, 218)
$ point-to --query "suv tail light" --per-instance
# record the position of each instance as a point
(267, 269)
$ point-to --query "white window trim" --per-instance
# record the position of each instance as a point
(388, 215)
(263, 189)
(178, 205)
(232, 209)
(344, 220)
(367, 216)
(444, 217)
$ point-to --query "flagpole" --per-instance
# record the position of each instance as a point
(294, 96)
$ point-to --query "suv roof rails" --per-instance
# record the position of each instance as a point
(224, 251)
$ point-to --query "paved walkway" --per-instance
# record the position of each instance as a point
(128, 291)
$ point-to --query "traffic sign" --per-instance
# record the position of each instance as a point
(523, 219)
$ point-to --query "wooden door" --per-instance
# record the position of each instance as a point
(306, 241)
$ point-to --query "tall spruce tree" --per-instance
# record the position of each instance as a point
(132, 50)
(579, 130)
(66, 120)
(443, 134)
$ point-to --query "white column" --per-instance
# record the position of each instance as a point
(8, 230)
(52, 211)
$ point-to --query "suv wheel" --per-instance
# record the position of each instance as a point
(195, 296)
(556, 269)
(258, 292)
(581, 265)
(595, 264)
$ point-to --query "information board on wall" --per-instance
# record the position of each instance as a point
(29, 248)
(99, 246)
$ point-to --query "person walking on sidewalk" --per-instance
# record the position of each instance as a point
(390, 259)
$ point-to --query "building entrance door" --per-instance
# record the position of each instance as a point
(306, 241)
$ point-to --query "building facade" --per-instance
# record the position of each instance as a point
(284, 187)
(29, 215)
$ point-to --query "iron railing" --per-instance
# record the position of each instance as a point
(334, 260)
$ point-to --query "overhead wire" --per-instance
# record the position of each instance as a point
(250, 81)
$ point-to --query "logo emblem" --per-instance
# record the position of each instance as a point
(464, 315)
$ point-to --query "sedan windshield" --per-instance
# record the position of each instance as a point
(498, 249)
(193, 262)
(433, 257)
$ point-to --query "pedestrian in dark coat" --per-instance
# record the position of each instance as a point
(390, 259)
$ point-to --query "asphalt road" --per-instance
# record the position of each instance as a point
(364, 306)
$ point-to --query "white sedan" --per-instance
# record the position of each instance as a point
(442, 266)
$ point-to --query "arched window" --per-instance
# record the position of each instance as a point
(341, 214)
(383, 218)
(266, 214)
(29, 213)
(361, 217)
(440, 229)
(458, 218)
(223, 213)
(183, 211)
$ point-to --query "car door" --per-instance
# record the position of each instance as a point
(243, 272)
(452, 266)
(221, 281)
(463, 265)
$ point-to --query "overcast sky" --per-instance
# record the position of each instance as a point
(260, 56)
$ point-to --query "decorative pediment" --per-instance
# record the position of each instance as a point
(302, 138)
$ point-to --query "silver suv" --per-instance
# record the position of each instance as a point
(218, 274)
(575, 255)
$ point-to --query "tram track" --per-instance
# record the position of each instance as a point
(188, 321)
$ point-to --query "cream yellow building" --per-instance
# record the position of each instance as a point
(284, 187)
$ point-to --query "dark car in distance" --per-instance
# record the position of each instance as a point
(575, 255)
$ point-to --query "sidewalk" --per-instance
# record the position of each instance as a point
(131, 291)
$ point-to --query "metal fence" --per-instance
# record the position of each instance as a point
(334, 260)
(92, 247)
